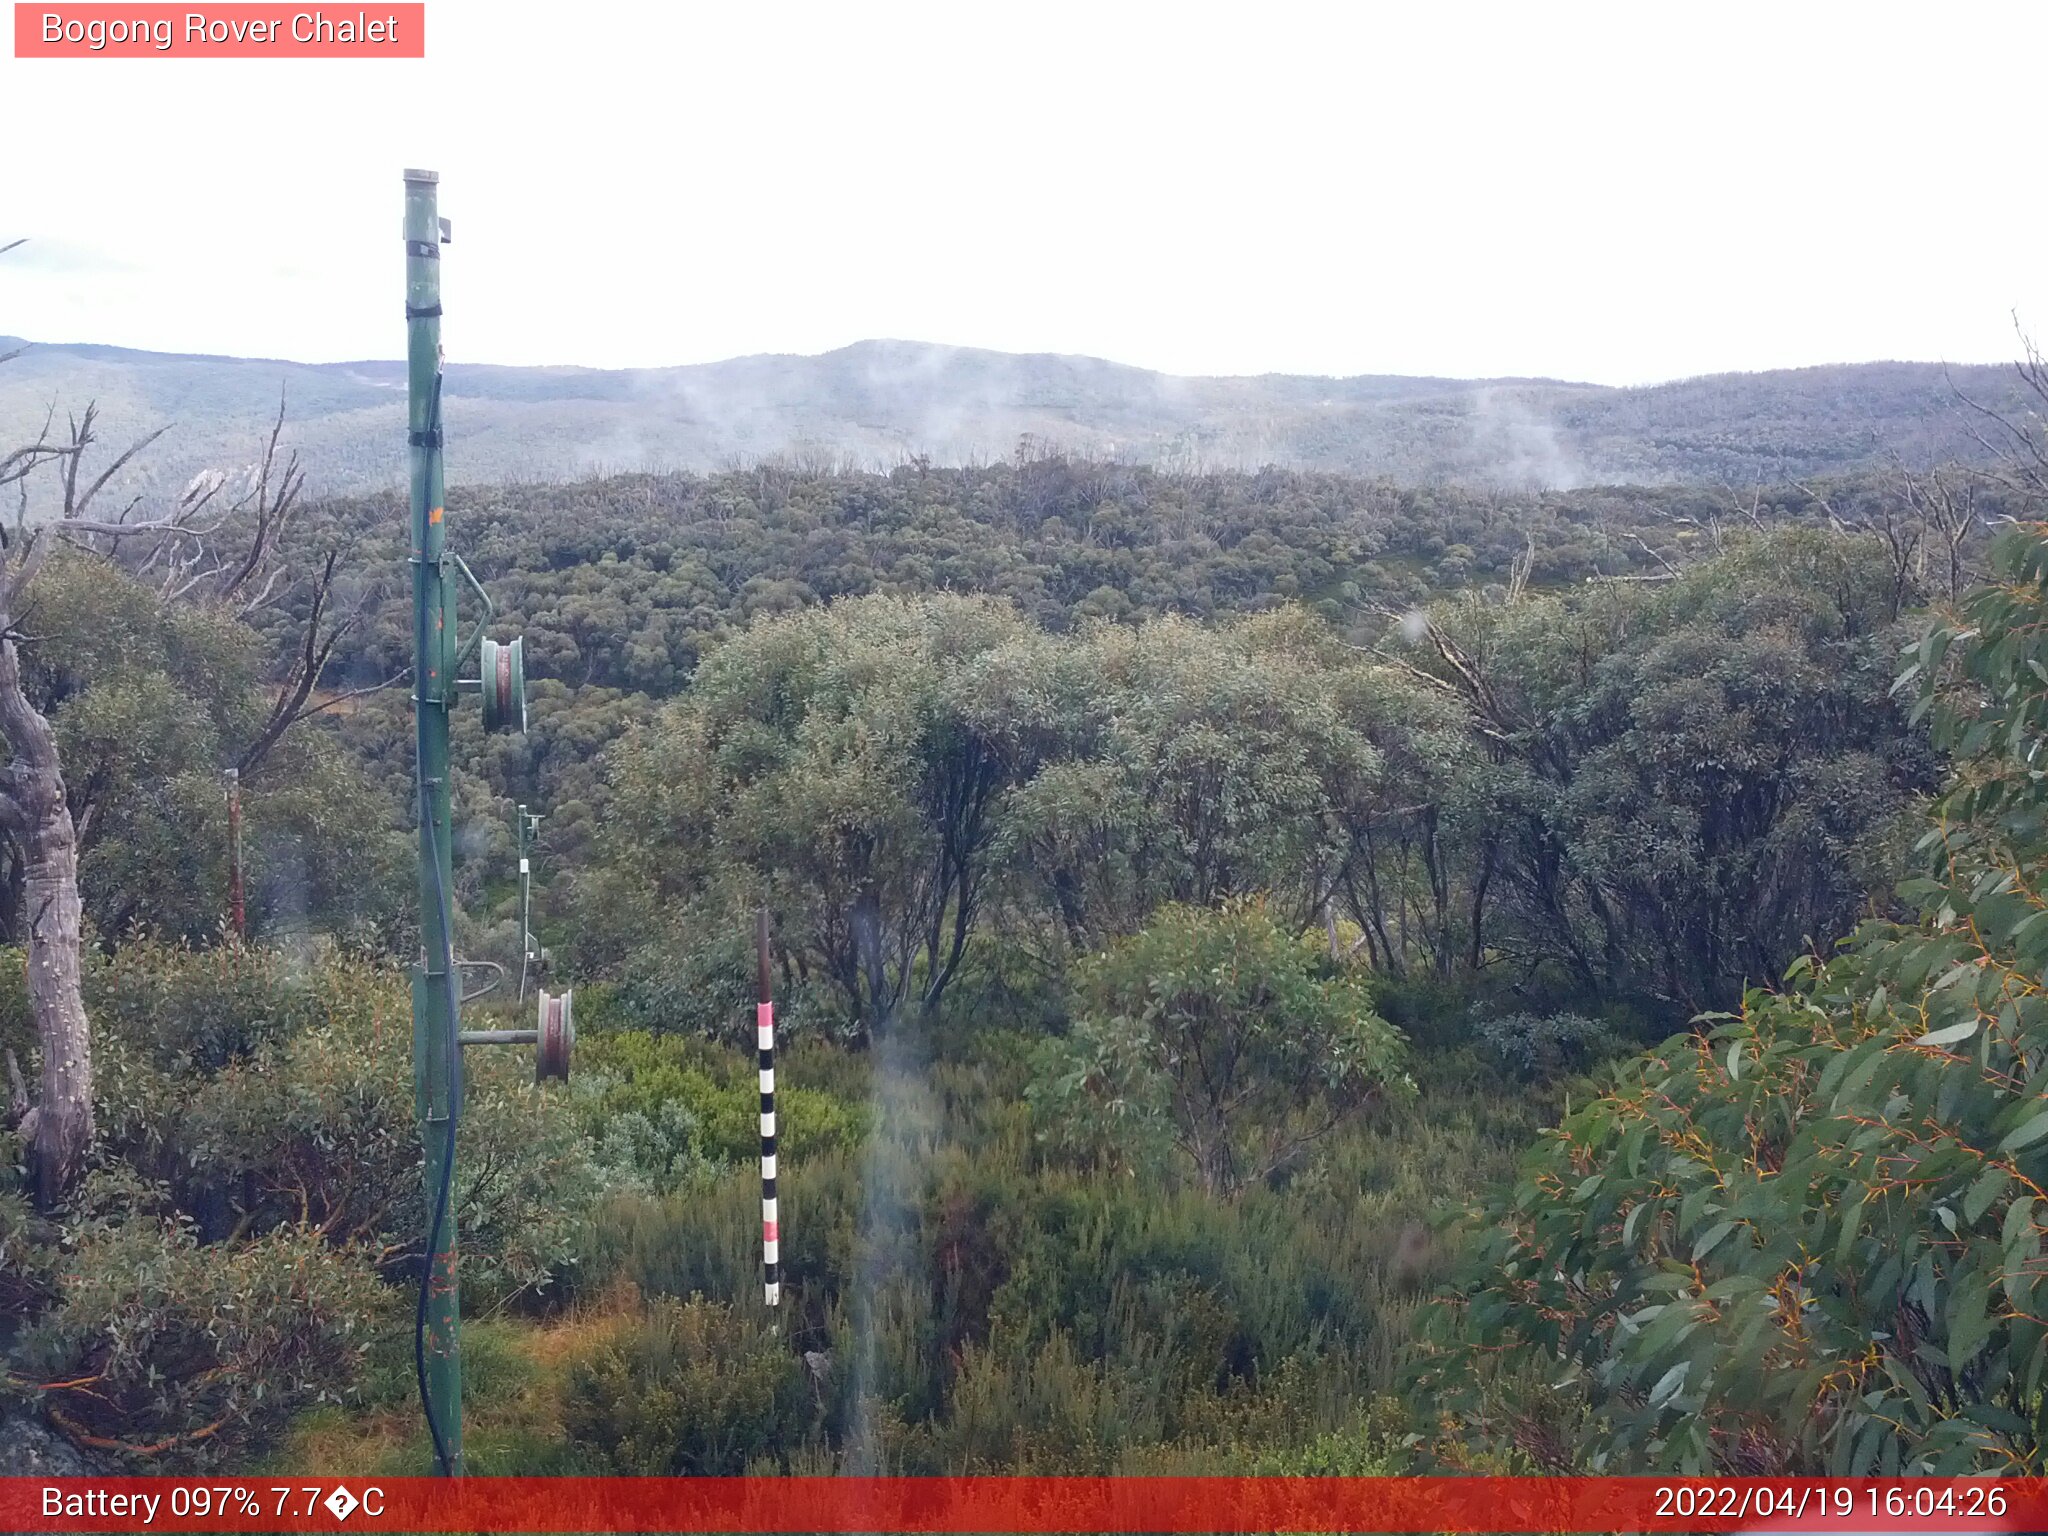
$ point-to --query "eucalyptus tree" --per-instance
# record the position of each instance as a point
(1687, 782)
(843, 763)
(1808, 1238)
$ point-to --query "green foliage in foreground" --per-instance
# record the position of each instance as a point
(1811, 1239)
(263, 1089)
(978, 1301)
(692, 1388)
(260, 1182)
(160, 1347)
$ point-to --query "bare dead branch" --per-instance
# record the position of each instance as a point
(335, 701)
(268, 593)
(74, 509)
(294, 701)
(1643, 545)
(17, 463)
(272, 512)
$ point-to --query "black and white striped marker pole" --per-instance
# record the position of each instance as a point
(764, 1028)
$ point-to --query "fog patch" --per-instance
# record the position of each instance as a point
(1517, 446)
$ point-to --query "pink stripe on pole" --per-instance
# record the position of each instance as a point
(769, 1234)
(764, 1015)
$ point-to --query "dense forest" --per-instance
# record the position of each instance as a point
(1282, 972)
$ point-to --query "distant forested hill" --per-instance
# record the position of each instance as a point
(879, 403)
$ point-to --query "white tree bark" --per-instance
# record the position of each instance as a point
(33, 805)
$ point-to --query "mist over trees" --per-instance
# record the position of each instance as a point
(876, 404)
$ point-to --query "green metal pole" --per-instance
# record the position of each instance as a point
(436, 1057)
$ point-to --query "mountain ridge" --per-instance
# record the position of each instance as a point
(883, 401)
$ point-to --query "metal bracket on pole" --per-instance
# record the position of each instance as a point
(476, 639)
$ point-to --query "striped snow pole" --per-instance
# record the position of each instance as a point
(764, 1027)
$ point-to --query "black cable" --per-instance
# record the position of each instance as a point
(441, 1195)
(453, 1047)
(447, 1156)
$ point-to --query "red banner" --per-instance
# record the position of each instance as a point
(226, 31)
(1025, 1504)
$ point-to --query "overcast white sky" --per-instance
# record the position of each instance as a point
(1614, 193)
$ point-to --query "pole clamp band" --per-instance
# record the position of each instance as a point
(428, 249)
(431, 312)
(431, 438)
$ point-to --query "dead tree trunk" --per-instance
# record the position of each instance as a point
(58, 1128)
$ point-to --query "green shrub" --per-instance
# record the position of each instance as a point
(264, 1092)
(1431, 1010)
(692, 1388)
(1001, 988)
(1216, 1035)
(191, 1012)
(186, 1356)
(261, 1168)
(960, 1286)
(707, 1239)
(666, 1109)
(977, 1303)
(1051, 1408)
(1369, 1448)
(17, 1020)
(696, 977)
(30, 1263)
(1543, 1046)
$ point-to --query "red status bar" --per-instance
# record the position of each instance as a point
(1025, 1504)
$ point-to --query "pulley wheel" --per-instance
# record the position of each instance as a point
(504, 685)
(556, 1039)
